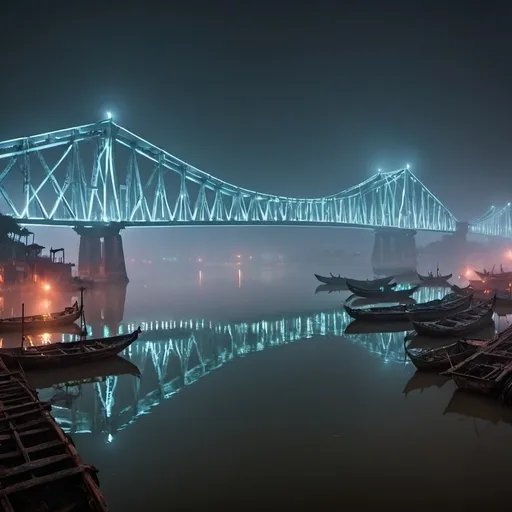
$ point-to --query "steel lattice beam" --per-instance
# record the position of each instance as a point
(104, 173)
(494, 222)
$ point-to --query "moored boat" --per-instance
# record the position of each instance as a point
(431, 278)
(441, 358)
(42, 322)
(431, 310)
(355, 301)
(384, 292)
(371, 284)
(342, 281)
(333, 280)
(67, 353)
(437, 309)
(466, 290)
(460, 324)
(378, 314)
(488, 370)
(485, 275)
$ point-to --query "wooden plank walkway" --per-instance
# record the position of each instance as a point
(40, 469)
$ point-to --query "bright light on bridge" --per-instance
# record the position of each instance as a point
(109, 115)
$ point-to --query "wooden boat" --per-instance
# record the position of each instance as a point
(42, 322)
(378, 314)
(342, 281)
(467, 290)
(484, 275)
(354, 301)
(67, 353)
(434, 279)
(426, 311)
(437, 309)
(441, 358)
(460, 324)
(374, 284)
(41, 469)
(382, 292)
(339, 281)
(489, 369)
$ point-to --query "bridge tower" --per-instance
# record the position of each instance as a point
(394, 251)
(101, 254)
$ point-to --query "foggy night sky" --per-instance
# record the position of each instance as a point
(291, 98)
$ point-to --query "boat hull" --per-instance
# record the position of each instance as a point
(441, 365)
(374, 284)
(435, 280)
(336, 281)
(466, 322)
(424, 330)
(381, 294)
(363, 315)
(438, 314)
(30, 359)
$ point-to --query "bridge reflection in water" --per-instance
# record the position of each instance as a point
(172, 354)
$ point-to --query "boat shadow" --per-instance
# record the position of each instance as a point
(478, 407)
(81, 374)
(423, 380)
(363, 327)
(330, 288)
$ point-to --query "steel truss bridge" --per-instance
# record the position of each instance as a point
(102, 173)
(180, 352)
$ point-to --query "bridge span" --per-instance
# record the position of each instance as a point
(100, 178)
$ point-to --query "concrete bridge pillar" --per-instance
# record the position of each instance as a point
(89, 256)
(461, 230)
(101, 261)
(394, 251)
(113, 257)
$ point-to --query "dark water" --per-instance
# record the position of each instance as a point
(251, 397)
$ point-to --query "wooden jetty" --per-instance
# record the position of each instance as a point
(40, 469)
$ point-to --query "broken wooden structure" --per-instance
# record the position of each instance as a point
(40, 469)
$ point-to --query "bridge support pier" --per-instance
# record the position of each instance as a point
(394, 251)
(101, 260)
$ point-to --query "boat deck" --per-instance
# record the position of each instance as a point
(489, 366)
(40, 468)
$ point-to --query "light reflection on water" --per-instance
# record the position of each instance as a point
(173, 353)
(180, 346)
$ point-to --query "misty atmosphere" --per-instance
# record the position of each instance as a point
(255, 254)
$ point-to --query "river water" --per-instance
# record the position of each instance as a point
(250, 396)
